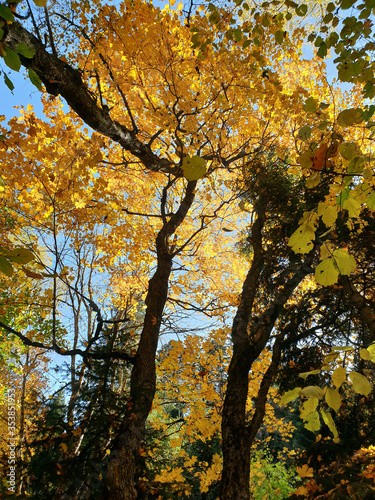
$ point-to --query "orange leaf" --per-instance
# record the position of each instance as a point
(320, 157)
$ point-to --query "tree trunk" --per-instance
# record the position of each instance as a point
(248, 343)
(122, 468)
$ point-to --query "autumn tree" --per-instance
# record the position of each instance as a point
(186, 108)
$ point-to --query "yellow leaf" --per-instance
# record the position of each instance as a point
(333, 399)
(364, 354)
(371, 350)
(344, 261)
(327, 273)
(328, 213)
(353, 207)
(314, 179)
(313, 422)
(360, 383)
(289, 396)
(332, 356)
(312, 391)
(308, 407)
(301, 239)
(304, 375)
(194, 168)
(326, 250)
(328, 420)
(64, 447)
(339, 376)
(305, 471)
(306, 159)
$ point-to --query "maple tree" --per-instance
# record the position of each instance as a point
(205, 126)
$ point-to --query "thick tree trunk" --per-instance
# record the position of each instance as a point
(235, 436)
(123, 463)
(360, 303)
(122, 468)
(248, 343)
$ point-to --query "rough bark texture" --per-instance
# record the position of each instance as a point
(236, 443)
(248, 342)
(360, 303)
(122, 469)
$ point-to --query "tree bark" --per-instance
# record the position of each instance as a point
(359, 302)
(248, 342)
(123, 461)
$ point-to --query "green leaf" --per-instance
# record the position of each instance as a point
(34, 79)
(237, 34)
(349, 117)
(194, 168)
(322, 51)
(339, 376)
(289, 396)
(20, 255)
(327, 273)
(346, 4)
(8, 82)
(360, 383)
(40, 3)
(25, 51)
(344, 261)
(12, 59)
(348, 150)
(279, 36)
(333, 399)
(312, 391)
(301, 10)
(310, 105)
(5, 266)
(342, 197)
(304, 133)
(370, 202)
(6, 13)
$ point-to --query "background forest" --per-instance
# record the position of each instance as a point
(186, 257)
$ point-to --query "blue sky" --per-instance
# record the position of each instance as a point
(24, 93)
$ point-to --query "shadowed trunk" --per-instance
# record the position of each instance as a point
(249, 339)
(122, 469)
